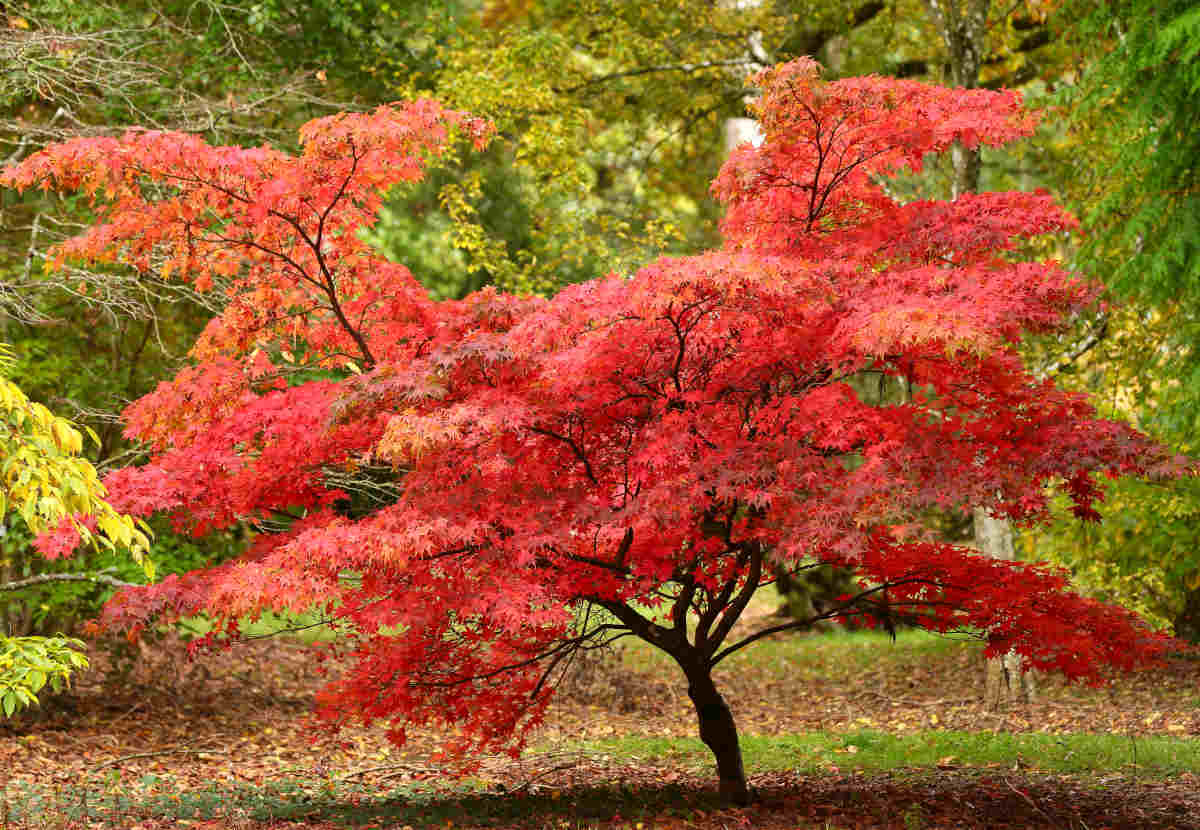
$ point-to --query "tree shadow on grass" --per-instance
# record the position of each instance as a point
(360, 806)
(970, 798)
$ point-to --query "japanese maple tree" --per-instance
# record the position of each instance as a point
(474, 490)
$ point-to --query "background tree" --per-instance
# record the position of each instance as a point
(610, 116)
(1134, 179)
(44, 480)
(88, 340)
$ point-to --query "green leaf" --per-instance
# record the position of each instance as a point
(36, 680)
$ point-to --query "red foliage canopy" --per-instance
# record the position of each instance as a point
(473, 489)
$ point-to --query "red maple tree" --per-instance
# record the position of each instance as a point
(474, 490)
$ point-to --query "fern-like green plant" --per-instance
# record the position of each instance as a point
(1137, 107)
(1146, 90)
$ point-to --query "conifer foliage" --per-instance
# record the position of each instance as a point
(629, 457)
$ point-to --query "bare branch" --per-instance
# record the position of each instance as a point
(575, 448)
(686, 68)
(1089, 342)
(837, 611)
(44, 579)
(734, 609)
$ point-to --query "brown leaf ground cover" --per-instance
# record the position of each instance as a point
(225, 742)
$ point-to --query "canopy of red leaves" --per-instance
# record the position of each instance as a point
(635, 442)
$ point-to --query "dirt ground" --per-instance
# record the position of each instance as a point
(240, 718)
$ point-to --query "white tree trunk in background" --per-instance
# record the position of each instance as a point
(1005, 681)
(739, 131)
(962, 25)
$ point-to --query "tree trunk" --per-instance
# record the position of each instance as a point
(962, 25)
(1005, 682)
(1187, 621)
(719, 734)
(967, 166)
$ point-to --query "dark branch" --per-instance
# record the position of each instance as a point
(570, 442)
(719, 602)
(330, 284)
(735, 609)
(665, 638)
(810, 42)
(1093, 339)
(565, 645)
(836, 611)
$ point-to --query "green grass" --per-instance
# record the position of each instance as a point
(847, 652)
(831, 656)
(425, 804)
(871, 751)
(306, 627)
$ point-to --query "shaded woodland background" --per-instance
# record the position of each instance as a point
(613, 117)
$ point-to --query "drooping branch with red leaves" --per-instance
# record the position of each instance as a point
(633, 456)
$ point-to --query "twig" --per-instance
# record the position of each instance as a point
(389, 768)
(286, 630)
(1031, 802)
(17, 153)
(127, 712)
(908, 702)
(136, 755)
(543, 774)
(1089, 342)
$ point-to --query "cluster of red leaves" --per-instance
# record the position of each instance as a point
(631, 441)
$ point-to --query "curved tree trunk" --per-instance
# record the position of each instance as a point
(719, 734)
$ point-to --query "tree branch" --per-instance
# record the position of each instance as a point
(42, 579)
(720, 601)
(735, 609)
(812, 41)
(794, 624)
(1093, 339)
(570, 442)
(665, 638)
(648, 70)
(618, 562)
(563, 646)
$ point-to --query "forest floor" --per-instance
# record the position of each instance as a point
(842, 731)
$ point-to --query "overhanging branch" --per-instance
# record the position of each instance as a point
(1093, 339)
(837, 611)
(43, 579)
